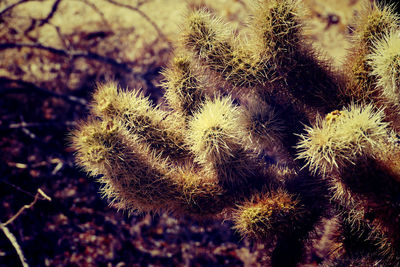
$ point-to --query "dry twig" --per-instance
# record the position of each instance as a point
(15, 244)
(10, 236)
(51, 14)
(145, 16)
(71, 55)
(39, 124)
(12, 86)
(39, 193)
(12, 6)
(98, 11)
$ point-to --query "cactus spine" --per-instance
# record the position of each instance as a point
(240, 150)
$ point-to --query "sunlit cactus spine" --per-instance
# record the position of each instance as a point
(351, 149)
(384, 60)
(375, 21)
(216, 137)
(212, 42)
(282, 144)
(183, 90)
(148, 123)
(276, 60)
(268, 214)
(342, 137)
(385, 63)
(106, 148)
(134, 177)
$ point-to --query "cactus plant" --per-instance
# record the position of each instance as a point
(281, 144)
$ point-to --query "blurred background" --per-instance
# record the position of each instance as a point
(52, 54)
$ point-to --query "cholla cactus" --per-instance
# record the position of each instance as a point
(277, 211)
(242, 150)
(385, 62)
(374, 23)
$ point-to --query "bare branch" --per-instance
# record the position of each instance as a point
(12, 6)
(145, 16)
(72, 55)
(61, 36)
(39, 124)
(10, 236)
(97, 10)
(12, 86)
(39, 193)
(51, 14)
(15, 244)
(24, 126)
(18, 188)
(142, 2)
(27, 131)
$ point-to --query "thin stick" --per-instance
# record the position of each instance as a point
(38, 194)
(18, 188)
(72, 55)
(12, 86)
(10, 236)
(38, 124)
(12, 6)
(51, 14)
(145, 16)
(15, 244)
(98, 11)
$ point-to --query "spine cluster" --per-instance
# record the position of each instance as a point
(283, 143)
